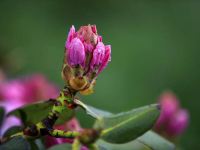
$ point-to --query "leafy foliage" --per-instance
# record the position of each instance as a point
(126, 130)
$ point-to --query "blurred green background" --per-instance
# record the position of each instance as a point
(155, 47)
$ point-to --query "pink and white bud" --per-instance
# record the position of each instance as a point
(76, 52)
(98, 56)
(178, 124)
(106, 59)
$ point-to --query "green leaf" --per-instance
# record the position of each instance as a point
(61, 147)
(35, 112)
(148, 141)
(2, 114)
(155, 142)
(17, 143)
(127, 126)
(12, 130)
(92, 111)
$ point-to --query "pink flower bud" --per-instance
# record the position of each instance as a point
(76, 52)
(178, 123)
(106, 59)
(98, 56)
(85, 48)
(169, 105)
(173, 119)
(86, 39)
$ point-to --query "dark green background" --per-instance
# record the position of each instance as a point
(155, 47)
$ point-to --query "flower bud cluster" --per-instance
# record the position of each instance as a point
(85, 57)
(173, 119)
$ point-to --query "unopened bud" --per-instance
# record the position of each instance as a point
(106, 59)
(76, 53)
(98, 56)
(86, 56)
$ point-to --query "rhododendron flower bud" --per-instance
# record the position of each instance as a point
(178, 123)
(98, 56)
(85, 57)
(106, 59)
(76, 52)
(173, 119)
(169, 105)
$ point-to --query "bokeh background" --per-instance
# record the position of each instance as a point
(155, 47)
